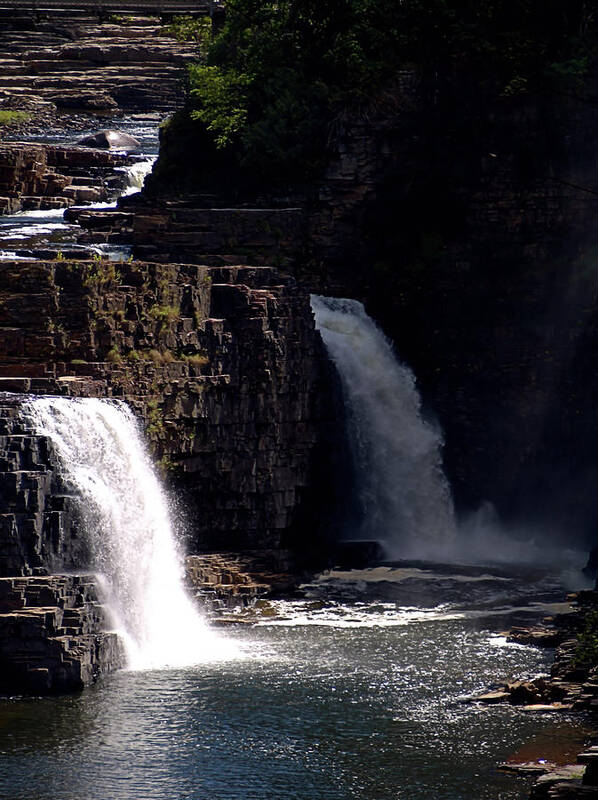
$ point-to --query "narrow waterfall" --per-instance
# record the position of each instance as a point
(404, 496)
(129, 530)
(137, 173)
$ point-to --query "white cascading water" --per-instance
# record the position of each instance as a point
(404, 495)
(129, 530)
(137, 173)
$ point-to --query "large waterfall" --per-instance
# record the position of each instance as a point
(404, 496)
(126, 520)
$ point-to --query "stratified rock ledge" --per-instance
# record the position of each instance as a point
(53, 635)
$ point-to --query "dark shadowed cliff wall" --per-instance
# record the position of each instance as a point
(467, 221)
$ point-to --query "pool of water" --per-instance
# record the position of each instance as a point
(329, 698)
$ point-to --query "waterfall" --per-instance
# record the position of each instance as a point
(404, 496)
(129, 532)
(137, 173)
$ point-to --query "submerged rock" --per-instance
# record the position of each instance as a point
(562, 782)
(110, 140)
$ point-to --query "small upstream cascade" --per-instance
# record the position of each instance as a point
(129, 531)
(137, 173)
(404, 497)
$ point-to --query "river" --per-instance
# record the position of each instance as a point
(355, 698)
(358, 688)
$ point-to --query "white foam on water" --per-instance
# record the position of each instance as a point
(137, 173)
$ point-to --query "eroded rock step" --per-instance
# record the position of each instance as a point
(173, 231)
(232, 580)
(223, 365)
(77, 64)
(53, 635)
(36, 176)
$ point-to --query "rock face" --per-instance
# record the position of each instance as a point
(53, 635)
(70, 59)
(39, 525)
(233, 580)
(48, 176)
(467, 226)
(224, 366)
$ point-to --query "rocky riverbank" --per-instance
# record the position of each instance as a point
(573, 680)
(39, 177)
(572, 685)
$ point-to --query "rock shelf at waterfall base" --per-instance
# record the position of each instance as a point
(54, 635)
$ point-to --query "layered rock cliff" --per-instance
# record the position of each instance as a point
(223, 365)
(466, 222)
(63, 66)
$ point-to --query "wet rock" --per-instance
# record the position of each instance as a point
(231, 403)
(35, 176)
(525, 692)
(356, 554)
(79, 99)
(53, 635)
(490, 698)
(528, 767)
(539, 636)
(110, 140)
(591, 568)
(590, 758)
(562, 782)
(231, 580)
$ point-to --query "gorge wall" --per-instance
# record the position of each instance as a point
(466, 222)
(224, 366)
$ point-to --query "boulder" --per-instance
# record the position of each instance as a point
(110, 140)
(524, 692)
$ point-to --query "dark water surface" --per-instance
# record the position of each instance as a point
(361, 699)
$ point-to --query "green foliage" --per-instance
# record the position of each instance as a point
(223, 108)
(98, 274)
(167, 465)
(282, 76)
(195, 359)
(128, 19)
(9, 117)
(157, 356)
(155, 419)
(191, 29)
(164, 315)
(572, 71)
(113, 356)
(587, 649)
